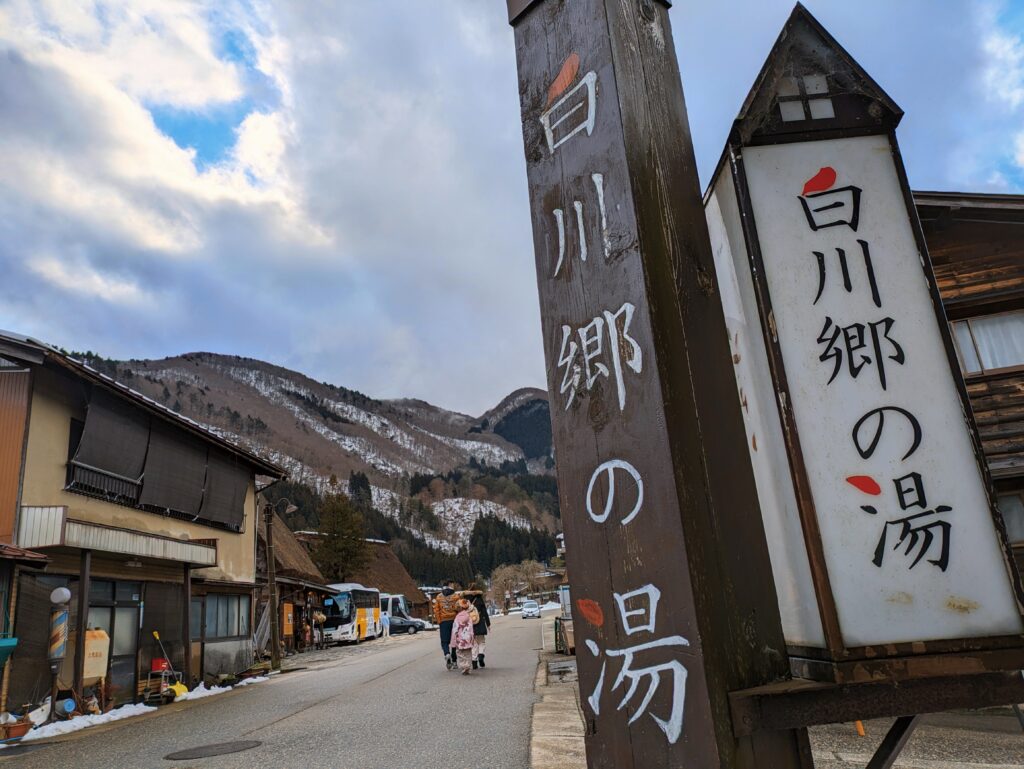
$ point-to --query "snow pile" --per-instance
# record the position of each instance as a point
(201, 691)
(58, 728)
(550, 605)
(256, 680)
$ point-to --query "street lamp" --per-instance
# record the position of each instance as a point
(275, 630)
(59, 599)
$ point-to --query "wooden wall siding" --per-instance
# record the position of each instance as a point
(14, 399)
(998, 403)
(979, 266)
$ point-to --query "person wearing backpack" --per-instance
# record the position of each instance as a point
(481, 624)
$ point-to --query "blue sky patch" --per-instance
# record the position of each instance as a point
(211, 133)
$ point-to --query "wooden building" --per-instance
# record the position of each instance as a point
(976, 242)
(300, 587)
(385, 572)
(147, 517)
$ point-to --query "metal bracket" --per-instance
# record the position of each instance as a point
(893, 742)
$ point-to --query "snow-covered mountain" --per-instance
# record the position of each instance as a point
(321, 432)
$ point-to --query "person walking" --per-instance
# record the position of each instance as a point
(446, 606)
(462, 637)
(481, 624)
(385, 625)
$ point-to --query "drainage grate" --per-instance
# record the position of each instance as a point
(218, 749)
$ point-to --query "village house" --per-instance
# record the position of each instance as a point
(147, 517)
(976, 243)
(385, 572)
(300, 588)
(382, 571)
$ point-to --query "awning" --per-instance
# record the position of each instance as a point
(22, 556)
(40, 527)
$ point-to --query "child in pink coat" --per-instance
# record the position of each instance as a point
(462, 637)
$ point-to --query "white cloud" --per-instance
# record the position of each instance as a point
(1003, 73)
(157, 51)
(81, 279)
(1018, 146)
(369, 223)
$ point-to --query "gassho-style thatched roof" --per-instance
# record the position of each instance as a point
(290, 558)
(386, 573)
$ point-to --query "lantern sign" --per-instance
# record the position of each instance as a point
(885, 541)
(670, 616)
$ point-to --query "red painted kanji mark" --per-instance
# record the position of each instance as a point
(591, 611)
(565, 77)
(821, 181)
(865, 483)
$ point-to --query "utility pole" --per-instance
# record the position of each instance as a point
(275, 630)
(675, 599)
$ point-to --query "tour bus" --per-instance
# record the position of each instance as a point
(353, 614)
(394, 605)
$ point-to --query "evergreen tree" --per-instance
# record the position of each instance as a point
(342, 549)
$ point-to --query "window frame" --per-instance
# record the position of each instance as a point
(1000, 495)
(1016, 367)
(240, 601)
(805, 97)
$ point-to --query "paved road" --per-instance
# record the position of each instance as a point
(990, 740)
(383, 704)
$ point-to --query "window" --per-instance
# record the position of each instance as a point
(990, 342)
(1012, 508)
(227, 616)
(101, 591)
(803, 97)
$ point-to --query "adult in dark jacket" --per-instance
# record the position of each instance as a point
(481, 627)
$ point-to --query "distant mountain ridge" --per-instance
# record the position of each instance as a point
(320, 433)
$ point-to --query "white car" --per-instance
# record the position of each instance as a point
(531, 609)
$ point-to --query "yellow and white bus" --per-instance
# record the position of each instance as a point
(353, 614)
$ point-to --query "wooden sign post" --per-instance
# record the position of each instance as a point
(674, 599)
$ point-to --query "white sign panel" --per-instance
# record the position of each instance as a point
(798, 605)
(911, 549)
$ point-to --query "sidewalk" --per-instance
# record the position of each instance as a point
(961, 740)
(556, 733)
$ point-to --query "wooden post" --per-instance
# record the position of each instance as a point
(186, 624)
(82, 617)
(675, 600)
(272, 602)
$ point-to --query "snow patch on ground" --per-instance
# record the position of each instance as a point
(202, 691)
(250, 681)
(58, 728)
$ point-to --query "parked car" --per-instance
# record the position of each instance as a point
(407, 625)
(531, 609)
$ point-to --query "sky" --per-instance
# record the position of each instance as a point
(339, 187)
